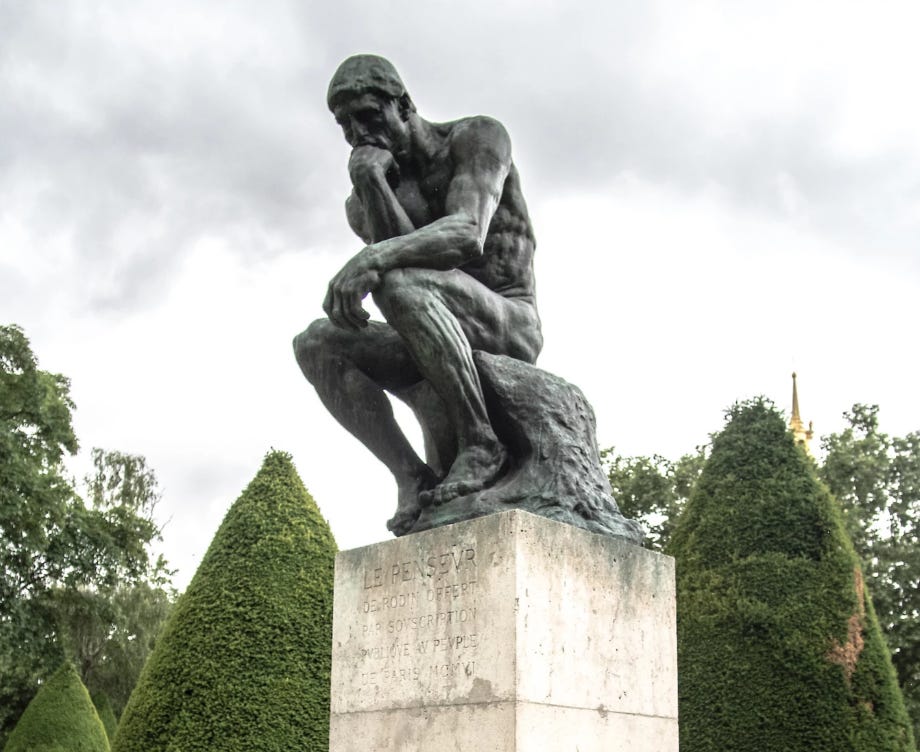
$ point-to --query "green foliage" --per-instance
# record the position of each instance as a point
(109, 633)
(61, 718)
(71, 575)
(243, 663)
(35, 518)
(117, 530)
(106, 714)
(109, 627)
(778, 646)
(876, 478)
(653, 490)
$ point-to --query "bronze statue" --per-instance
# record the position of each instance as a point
(449, 262)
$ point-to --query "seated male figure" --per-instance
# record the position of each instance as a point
(449, 262)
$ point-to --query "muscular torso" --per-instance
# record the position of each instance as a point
(506, 264)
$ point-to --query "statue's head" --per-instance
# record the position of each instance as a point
(361, 74)
(370, 102)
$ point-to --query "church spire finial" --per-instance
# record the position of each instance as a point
(801, 434)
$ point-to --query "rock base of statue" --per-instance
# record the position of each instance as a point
(506, 632)
(554, 469)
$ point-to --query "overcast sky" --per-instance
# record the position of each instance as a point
(722, 193)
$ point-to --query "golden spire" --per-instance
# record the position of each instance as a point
(802, 436)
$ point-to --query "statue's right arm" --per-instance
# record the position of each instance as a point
(383, 215)
(357, 219)
(480, 156)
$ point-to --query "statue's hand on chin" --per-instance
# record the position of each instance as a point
(371, 163)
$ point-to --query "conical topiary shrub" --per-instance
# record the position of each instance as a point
(103, 706)
(60, 718)
(243, 662)
(779, 649)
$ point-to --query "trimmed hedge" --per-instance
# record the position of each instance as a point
(243, 662)
(103, 706)
(60, 718)
(779, 649)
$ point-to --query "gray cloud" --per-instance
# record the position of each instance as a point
(581, 90)
(135, 162)
(131, 149)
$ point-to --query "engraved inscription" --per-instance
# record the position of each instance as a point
(435, 565)
(418, 622)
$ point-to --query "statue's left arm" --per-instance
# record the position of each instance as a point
(481, 154)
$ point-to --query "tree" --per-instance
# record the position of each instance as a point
(35, 517)
(61, 717)
(109, 627)
(876, 479)
(118, 528)
(76, 580)
(243, 663)
(778, 646)
(109, 634)
(653, 490)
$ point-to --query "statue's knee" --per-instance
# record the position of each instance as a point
(309, 346)
(398, 291)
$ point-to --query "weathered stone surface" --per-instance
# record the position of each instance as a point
(507, 632)
(554, 471)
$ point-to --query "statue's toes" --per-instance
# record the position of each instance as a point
(449, 491)
(403, 521)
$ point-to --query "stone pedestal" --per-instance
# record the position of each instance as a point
(506, 632)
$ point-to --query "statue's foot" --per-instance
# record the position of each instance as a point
(474, 469)
(409, 506)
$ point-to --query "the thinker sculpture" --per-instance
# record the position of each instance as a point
(449, 262)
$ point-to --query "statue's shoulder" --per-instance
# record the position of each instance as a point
(478, 133)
